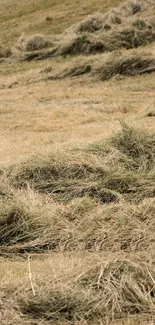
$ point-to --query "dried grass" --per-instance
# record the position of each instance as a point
(126, 66)
(95, 206)
(104, 292)
(120, 287)
(112, 18)
(84, 190)
(136, 145)
(106, 66)
(125, 27)
(33, 43)
(131, 162)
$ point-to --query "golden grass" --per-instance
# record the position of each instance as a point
(100, 199)
(76, 185)
(50, 276)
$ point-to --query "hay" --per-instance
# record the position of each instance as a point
(120, 170)
(33, 43)
(112, 18)
(80, 226)
(119, 28)
(37, 225)
(79, 70)
(55, 306)
(90, 24)
(19, 219)
(76, 70)
(105, 67)
(83, 44)
(131, 65)
(136, 145)
(119, 288)
(116, 29)
(113, 40)
(123, 169)
(105, 292)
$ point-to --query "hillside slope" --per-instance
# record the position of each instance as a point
(77, 162)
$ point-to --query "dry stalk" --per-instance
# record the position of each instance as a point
(30, 275)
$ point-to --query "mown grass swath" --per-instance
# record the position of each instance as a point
(125, 27)
(83, 188)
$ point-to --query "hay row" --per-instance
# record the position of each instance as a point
(105, 67)
(85, 193)
(104, 292)
(130, 26)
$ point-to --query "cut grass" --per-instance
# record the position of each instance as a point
(126, 66)
(97, 34)
(137, 145)
(31, 16)
(106, 66)
(78, 295)
(107, 291)
(77, 227)
(131, 160)
(33, 43)
(117, 172)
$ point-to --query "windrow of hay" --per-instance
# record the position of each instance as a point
(78, 289)
(27, 225)
(106, 291)
(126, 66)
(112, 18)
(125, 168)
(33, 43)
(126, 27)
(85, 192)
(126, 37)
(105, 67)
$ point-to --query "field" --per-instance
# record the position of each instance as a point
(77, 162)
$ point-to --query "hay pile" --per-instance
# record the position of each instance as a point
(90, 24)
(118, 288)
(136, 145)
